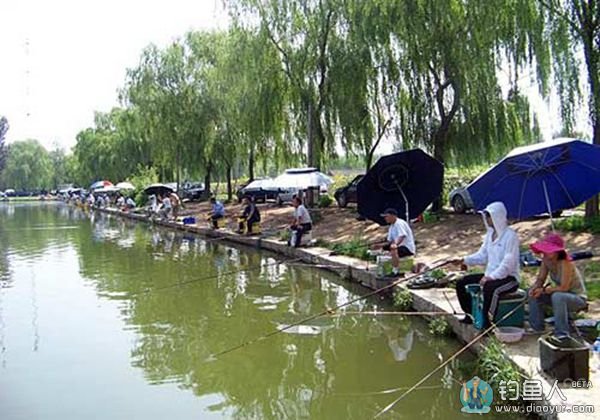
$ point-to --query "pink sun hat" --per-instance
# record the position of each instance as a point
(552, 242)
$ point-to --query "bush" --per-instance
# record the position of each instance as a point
(403, 299)
(356, 248)
(141, 179)
(579, 224)
(440, 327)
(325, 201)
(494, 367)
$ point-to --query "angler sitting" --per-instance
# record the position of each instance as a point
(217, 213)
(400, 241)
(249, 216)
(301, 224)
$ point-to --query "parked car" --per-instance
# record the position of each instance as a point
(461, 202)
(192, 190)
(260, 190)
(10, 192)
(286, 194)
(347, 193)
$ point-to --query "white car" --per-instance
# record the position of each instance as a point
(285, 196)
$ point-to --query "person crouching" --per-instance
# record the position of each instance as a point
(500, 254)
(301, 224)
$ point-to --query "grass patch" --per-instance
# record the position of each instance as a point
(440, 327)
(403, 299)
(579, 224)
(593, 290)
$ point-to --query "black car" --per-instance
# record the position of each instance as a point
(347, 194)
(193, 191)
(260, 190)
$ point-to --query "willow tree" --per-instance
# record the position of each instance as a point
(575, 27)
(302, 33)
(3, 131)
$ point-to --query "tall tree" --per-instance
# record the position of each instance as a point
(28, 166)
(575, 26)
(3, 130)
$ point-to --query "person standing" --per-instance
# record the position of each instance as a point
(175, 204)
(500, 255)
(302, 222)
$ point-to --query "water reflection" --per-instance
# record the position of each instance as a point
(181, 299)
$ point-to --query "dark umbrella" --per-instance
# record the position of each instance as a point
(542, 178)
(406, 181)
(158, 189)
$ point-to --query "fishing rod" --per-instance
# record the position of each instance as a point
(450, 359)
(325, 312)
(403, 313)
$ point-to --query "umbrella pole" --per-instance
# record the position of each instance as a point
(548, 205)
(406, 206)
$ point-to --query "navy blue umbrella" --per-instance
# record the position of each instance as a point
(406, 181)
(542, 178)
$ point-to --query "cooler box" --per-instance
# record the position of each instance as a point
(507, 302)
(569, 361)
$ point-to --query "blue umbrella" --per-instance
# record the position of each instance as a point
(406, 181)
(542, 178)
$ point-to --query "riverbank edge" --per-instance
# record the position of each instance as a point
(352, 270)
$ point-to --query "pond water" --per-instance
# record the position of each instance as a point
(94, 326)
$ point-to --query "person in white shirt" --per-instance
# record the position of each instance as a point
(400, 239)
(500, 255)
(302, 222)
(166, 208)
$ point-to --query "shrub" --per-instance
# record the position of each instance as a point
(403, 299)
(579, 224)
(494, 367)
(141, 179)
(325, 201)
(440, 327)
(356, 248)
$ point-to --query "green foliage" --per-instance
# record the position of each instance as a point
(325, 201)
(28, 167)
(403, 299)
(3, 130)
(356, 247)
(440, 327)
(141, 179)
(494, 367)
(579, 224)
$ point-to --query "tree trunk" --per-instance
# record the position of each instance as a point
(229, 189)
(439, 144)
(310, 158)
(592, 59)
(251, 165)
(207, 191)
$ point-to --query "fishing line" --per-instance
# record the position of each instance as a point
(322, 313)
(451, 358)
(403, 313)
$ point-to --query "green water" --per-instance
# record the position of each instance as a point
(80, 339)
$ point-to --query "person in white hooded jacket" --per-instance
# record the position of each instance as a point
(500, 255)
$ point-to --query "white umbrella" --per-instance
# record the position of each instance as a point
(302, 178)
(125, 186)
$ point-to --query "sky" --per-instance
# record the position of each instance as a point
(61, 60)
